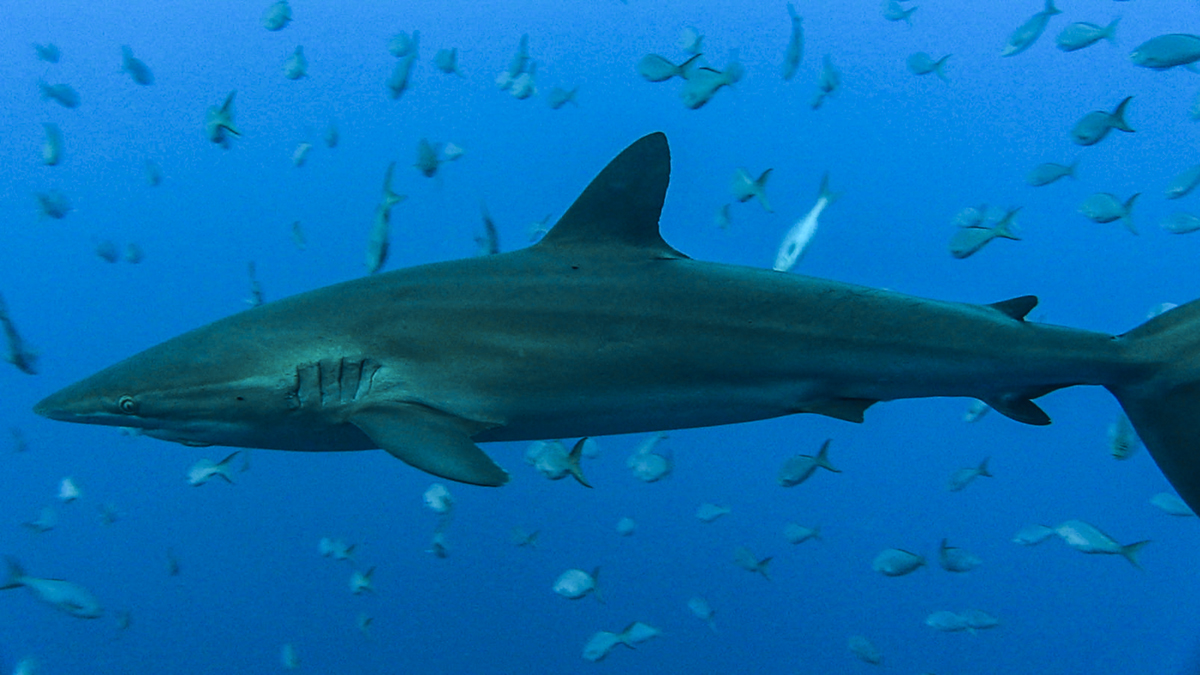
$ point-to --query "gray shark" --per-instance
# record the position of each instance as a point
(603, 328)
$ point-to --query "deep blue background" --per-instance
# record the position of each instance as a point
(907, 153)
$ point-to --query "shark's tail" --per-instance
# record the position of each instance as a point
(1164, 402)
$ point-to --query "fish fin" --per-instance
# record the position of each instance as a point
(1020, 408)
(15, 574)
(983, 469)
(1117, 118)
(845, 409)
(1127, 215)
(431, 441)
(1017, 308)
(822, 458)
(761, 568)
(573, 462)
(596, 586)
(825, 193)
(620, 208)
(1130, 551)
(1164, 405)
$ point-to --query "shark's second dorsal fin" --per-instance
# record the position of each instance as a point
(620, 207)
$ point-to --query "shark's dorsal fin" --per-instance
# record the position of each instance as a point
(621, 206)
(1017, 307)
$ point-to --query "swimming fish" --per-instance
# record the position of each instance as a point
(1028, 33)
(656, 68)
(135, 67)
(1183, 183)
(1049, 172)
(707, 513)
(745, 187)
(153, 173)
(1180, 222)
(797, 239)
(574, 584)
(1122, 439)
(702, 83)
(277, 16)
(961, 478)
(895, 562)
(520, 538)
(648, 463)
(218, 122)
(64, 596)
(603, 642)
(300, 154)
(296, 65)
(16, 351)
(378, 240)
(1032, 535)
(256, 298)
(700, 609)
(828, 83)
(1167, 51)
(205, 470)
(331, 135)
(920, 63)
(800, 468)
(52, 147)
(1172, 505)
(49, 52)
(1082, 34)
(54, 204)
(1087, 538)
(516, 65)
(62, 94)
(894, 11)
(446, 60)
(969, 240)
(557, 97)
(1105, 207)
(68, 491)
(438, 499)
(514, 347)
(953, 559)
(555, 463)
(47, 520)
(798, 534)
(402, 44)
(1094, 126)
(362, 582)
(795, 48)
(336, 549)
(397, 82)
(745, 559)
(626, 527)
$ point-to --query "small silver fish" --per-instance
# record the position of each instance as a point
(1105, 207)
(961, 478)
(894, 11)
(828, 83)
(16, 352)
(745, 187)
(921, 63)
(895, 562)
(795, 48)
(296, 66)
(135, 67)
(1087, 538)
(218, 122)
(1184, 183)
(954, 559)
(1049, 172)
(969, 240)
(1082, 34)
(62, 94)
(1094, 126)
(800, 468)
(1180, 222)
(1028, 33)
(52, 147)
(1167, 51)
(446, 60)
(745, 559)
(277, 16)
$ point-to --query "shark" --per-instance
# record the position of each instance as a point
(603, 328)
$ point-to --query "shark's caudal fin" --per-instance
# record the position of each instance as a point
(620, 208)
(1165, 406)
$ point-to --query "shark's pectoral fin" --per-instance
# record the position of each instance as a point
(431, 441)
(847, 409)
(1019, 407)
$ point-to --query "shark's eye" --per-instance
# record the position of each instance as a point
(127, 405)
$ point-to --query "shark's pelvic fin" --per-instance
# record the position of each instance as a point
(620, 208)
(431, 441)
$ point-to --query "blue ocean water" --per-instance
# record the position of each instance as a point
(906, 152)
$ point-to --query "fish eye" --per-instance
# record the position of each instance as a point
(127, 405)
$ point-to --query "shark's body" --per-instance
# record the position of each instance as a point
(602, 328)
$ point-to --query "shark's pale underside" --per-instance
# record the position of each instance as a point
(603, 328)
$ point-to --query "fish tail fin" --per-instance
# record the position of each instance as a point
(1004, 227)
(825, 193)
(1162, 399)
(573, 464)
(983, 469)
(1118, 116)
(822, 458)
(762, 567)
(939, 68)
(223, 466)
(16, 574)
(1072, 168)
(816, 533)
(1127, 215)
(1110, 31)
(1130, 552)
(596, 586)
(760, 190)
(1051, 9)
